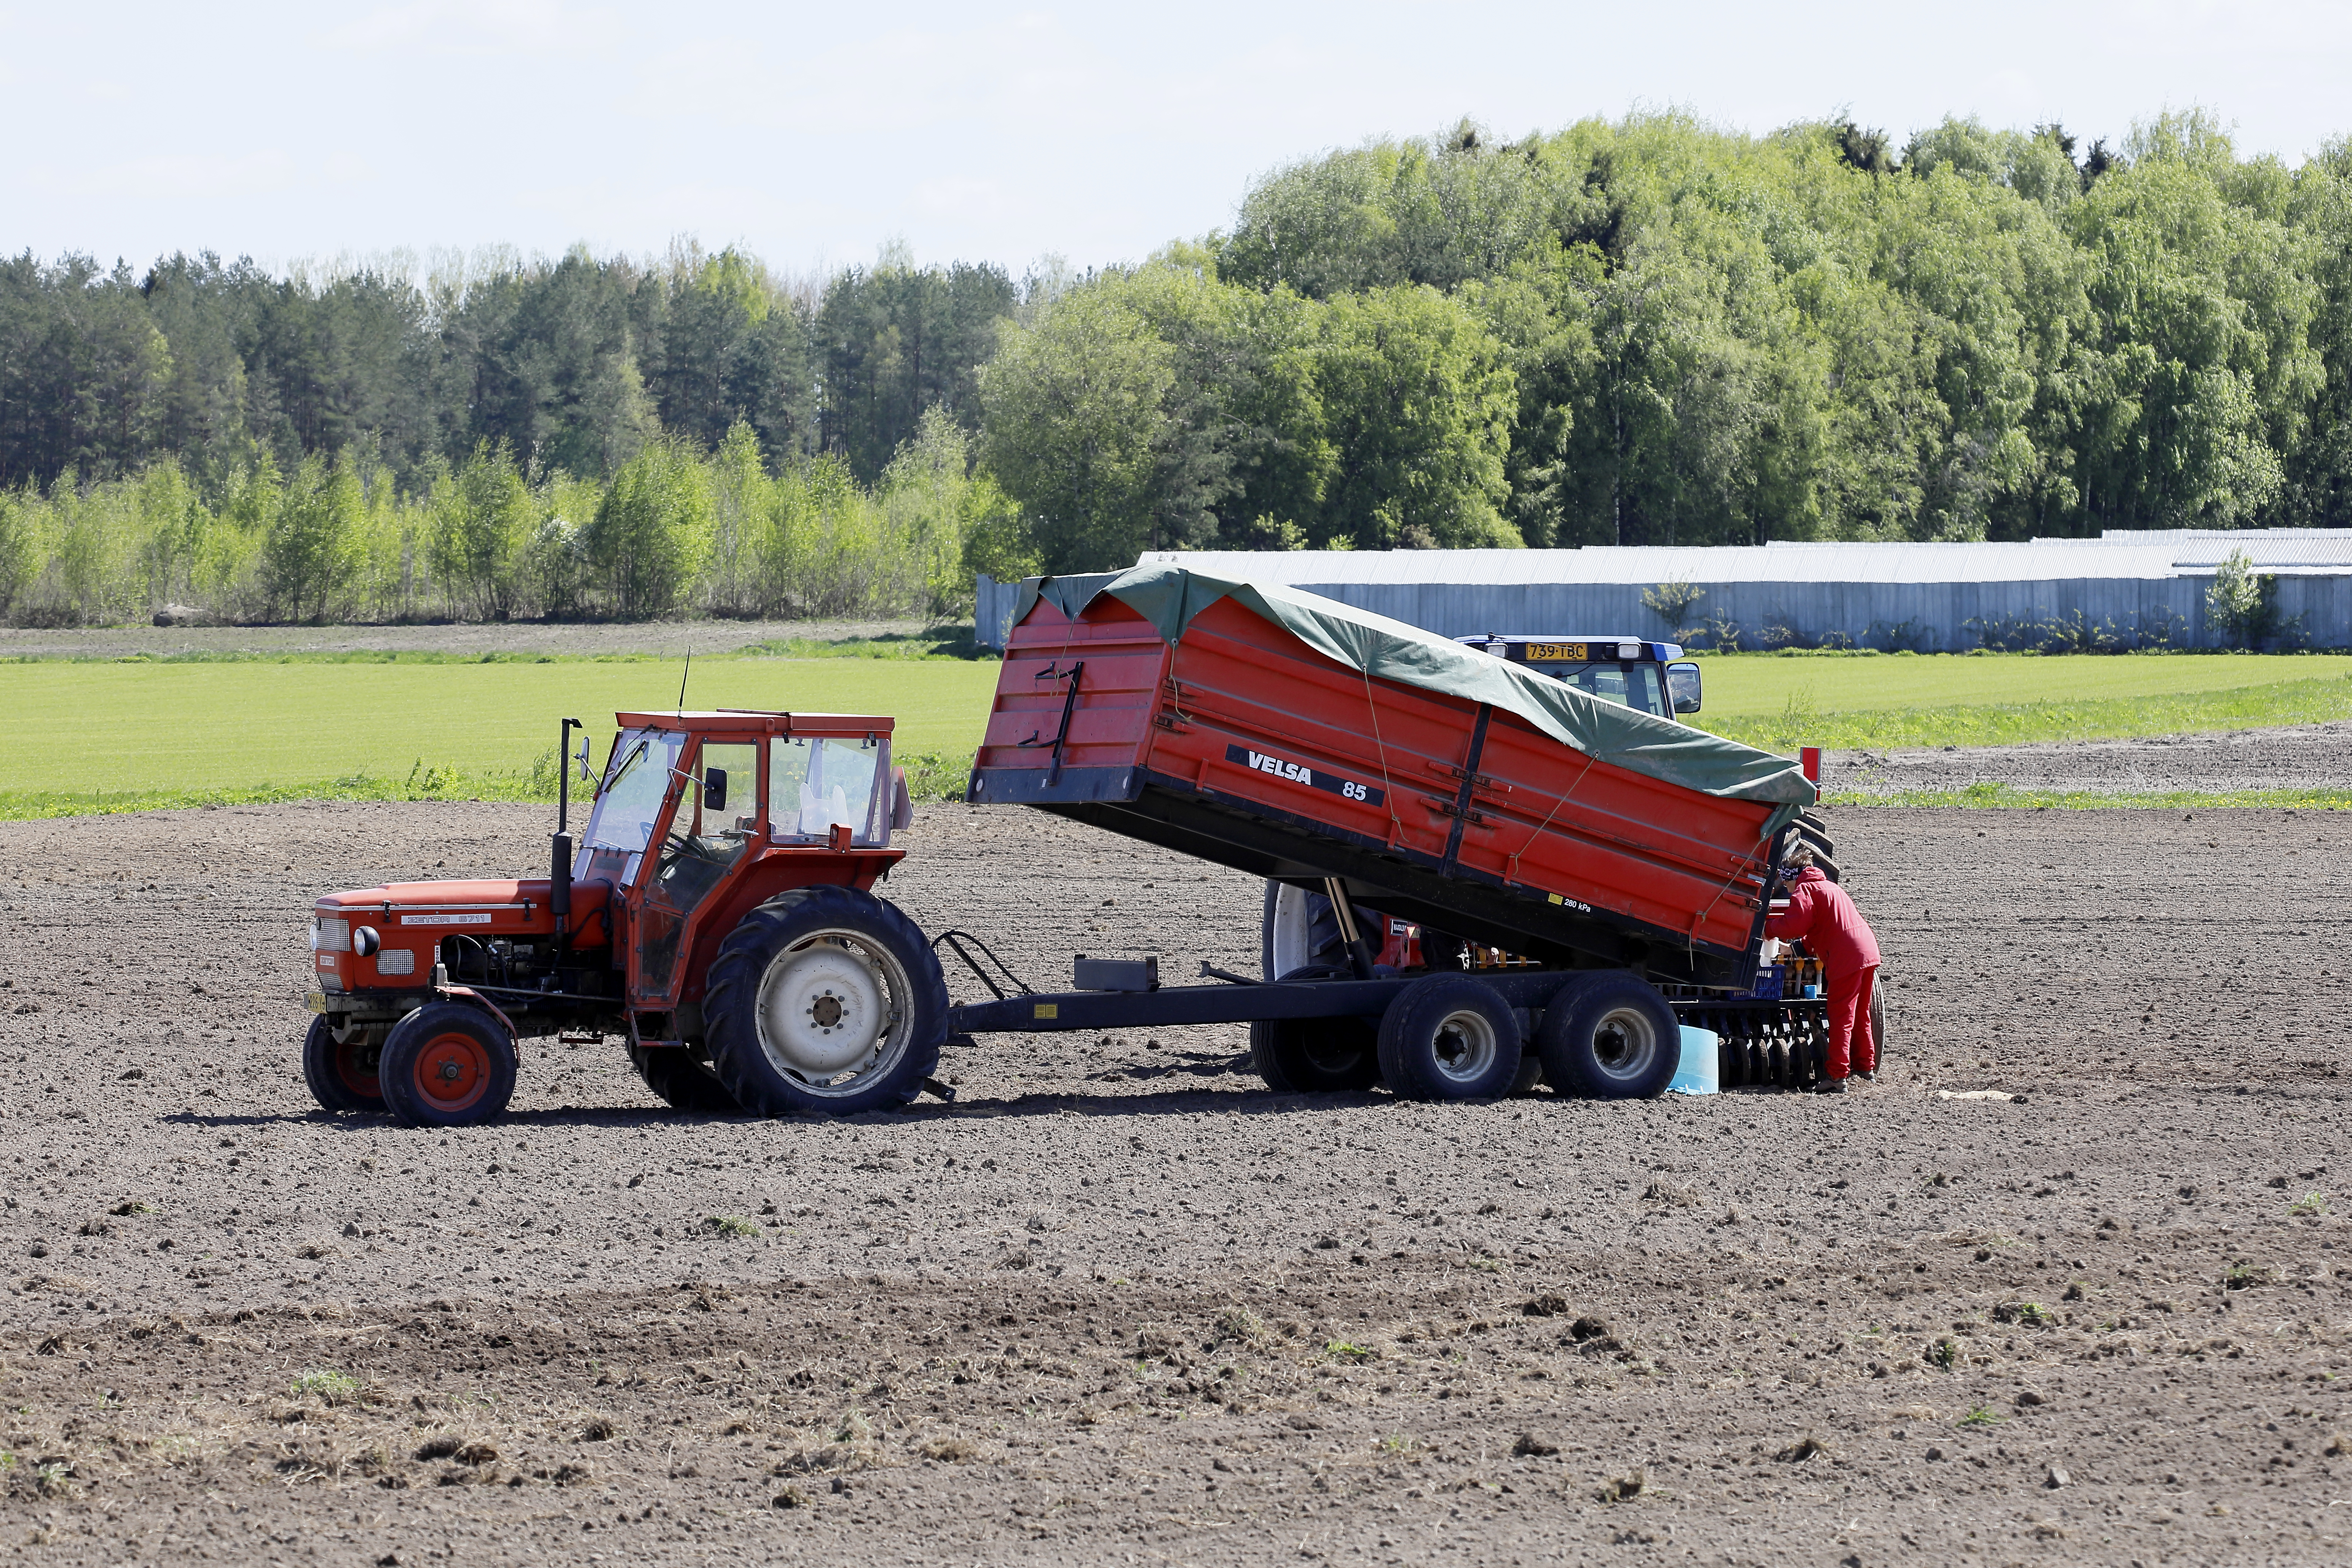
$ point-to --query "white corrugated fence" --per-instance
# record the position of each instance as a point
(2124, 589)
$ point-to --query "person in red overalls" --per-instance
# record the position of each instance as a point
(1819, 911)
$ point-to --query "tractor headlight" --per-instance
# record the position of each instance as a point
(330, 936)
(364, 941)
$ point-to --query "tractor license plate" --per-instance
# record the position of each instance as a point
(316, 1001)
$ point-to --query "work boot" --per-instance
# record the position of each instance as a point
(1830, 1085)
(1867, 1075)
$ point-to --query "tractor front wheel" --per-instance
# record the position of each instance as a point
(342, 1073)
(448, 1065)
(826, 1001)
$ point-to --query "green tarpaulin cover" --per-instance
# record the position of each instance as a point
(1169, 596)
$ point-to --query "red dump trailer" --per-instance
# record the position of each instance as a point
(1610, 852)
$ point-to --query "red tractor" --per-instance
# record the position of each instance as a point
(716, 912)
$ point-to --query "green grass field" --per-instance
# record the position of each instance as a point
(135, 733)
(1757, 686)
(1781, 704)
(123, 735)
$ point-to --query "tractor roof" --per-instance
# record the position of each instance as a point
(1521, 650)
(760, 722)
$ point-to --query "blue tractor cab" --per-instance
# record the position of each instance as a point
(1648, 677)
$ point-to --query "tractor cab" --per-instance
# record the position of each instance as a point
(691, 805)
(699, 820)
(1648, 677)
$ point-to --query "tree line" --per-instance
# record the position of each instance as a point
(1655, 332)
(1647, 331)
(675, 526)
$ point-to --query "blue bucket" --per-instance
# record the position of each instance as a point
(1699, 1072)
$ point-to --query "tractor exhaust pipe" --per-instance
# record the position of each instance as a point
(559, 877)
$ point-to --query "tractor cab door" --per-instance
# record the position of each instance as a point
(716, 818)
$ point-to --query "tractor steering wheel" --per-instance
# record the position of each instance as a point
(677, 847)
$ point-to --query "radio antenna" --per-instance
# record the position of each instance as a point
(681, 679)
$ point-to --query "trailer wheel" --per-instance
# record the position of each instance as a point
(1316, 1056)
(341, 1075)
(446, 1065)
(826, 1001)
(1612, 1036)
(683, 1081)
(1448, 1037)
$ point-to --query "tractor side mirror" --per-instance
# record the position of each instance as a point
(587, 774)
(714, 789)
(1681, 685)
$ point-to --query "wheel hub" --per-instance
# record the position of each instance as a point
(1624, 1044)
(823, 1010)
(452, 1069)
(1465, 1047)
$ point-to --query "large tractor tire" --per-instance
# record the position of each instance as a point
(1807, 829)
(1609, 1037)
(1297, 930)
(683, 1081)
(341, 1074)
(1448, 1037)
(825, 1001)
(448, 1065)
(1878, 1021)
(1316, 1056)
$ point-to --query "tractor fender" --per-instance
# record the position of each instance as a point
(473, 998)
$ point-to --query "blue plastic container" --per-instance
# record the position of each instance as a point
(1699, 1072)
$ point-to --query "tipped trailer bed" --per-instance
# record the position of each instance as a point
(1624, 860)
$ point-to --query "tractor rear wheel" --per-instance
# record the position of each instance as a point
(826, 1001)
(448, 1065)
(341, 1074)
(683, 1081)
(1316, 1056)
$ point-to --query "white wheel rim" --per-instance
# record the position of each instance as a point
(1624, 1043)
(833, 1012)
(1292, 932)
(1465, 1047)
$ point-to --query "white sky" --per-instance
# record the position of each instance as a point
(811, 135)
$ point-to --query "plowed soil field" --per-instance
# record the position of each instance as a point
(2071, 1285)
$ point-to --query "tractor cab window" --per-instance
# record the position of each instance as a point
(813, 783)
(1639, 686)
(628, 803)
(716, 817)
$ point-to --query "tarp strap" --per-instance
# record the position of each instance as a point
(1388, 785)
(1572, 785)
(1763, 894)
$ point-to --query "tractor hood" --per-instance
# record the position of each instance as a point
(483, 906)
(368, 939)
